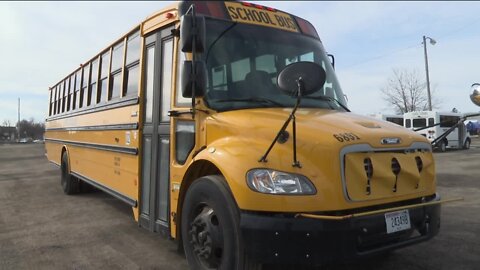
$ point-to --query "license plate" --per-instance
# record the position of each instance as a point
(397, 221)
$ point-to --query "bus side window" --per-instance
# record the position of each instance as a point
(132, 65)
(72, 89)
(115, 76)
(431, 121)
(86, 72)
(408, 123)
(92, 90)
(50, 103)
(69, 93)
(78, 80)
(62, 96)
(55, 101)
(103, 82)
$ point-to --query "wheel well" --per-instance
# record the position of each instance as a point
(64, 149)
(196, 170)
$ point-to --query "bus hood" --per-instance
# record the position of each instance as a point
(332, 148)
(314, 126)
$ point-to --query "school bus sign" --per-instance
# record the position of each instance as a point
(239, 12)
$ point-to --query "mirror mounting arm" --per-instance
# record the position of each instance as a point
(191, 9)
(295, 163)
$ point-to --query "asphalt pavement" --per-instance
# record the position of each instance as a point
(41, 228)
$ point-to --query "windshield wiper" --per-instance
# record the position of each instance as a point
(251, 99)
(327, 98)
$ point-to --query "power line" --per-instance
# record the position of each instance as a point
(441, 37)
(455, 31)
(382, 56)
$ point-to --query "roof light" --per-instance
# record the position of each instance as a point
(306, 27)
(258, 6)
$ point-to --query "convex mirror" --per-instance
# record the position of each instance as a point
(192, 29)
(475, 96)
(188, 78)
(311, 74)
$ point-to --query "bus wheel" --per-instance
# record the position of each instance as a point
(211, 227)
(70, 184)
(442, 146)
(466, 145)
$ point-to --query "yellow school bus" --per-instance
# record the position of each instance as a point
(223, 126)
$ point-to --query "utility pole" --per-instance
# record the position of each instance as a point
(18, 121)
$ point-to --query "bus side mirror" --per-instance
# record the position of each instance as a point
(188, 78)
(192, 29)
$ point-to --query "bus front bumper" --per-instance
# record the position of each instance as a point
(305, 240)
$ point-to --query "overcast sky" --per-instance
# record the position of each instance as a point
(42, 42)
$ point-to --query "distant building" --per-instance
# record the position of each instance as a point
(8, 134)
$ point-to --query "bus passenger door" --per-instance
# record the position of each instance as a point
(154, 201)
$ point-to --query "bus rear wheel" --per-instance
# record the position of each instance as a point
(70, 184)
(211, 227)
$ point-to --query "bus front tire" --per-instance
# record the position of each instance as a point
(211, 227)
(70, 184)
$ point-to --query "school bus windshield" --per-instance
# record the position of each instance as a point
(243, 62)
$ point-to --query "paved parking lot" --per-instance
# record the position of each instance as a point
(40, 228)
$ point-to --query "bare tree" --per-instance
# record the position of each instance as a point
(6, 123)
(406, 92)
(31, 129)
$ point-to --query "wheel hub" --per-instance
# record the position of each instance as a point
(206, 238)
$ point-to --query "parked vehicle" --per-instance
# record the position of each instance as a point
(433, 124)
(473, 127)
(394, 118)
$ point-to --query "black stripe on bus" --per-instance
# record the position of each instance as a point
(112, 148)
(103, 107)
(99, 127)
(54, 163)
(116, 194)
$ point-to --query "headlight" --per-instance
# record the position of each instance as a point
(275, 182)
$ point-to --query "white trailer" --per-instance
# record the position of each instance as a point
(433, 125)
